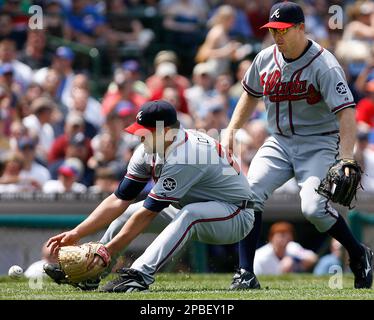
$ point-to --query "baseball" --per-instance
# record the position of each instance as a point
(15, 272)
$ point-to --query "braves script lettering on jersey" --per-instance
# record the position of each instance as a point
(301, 97)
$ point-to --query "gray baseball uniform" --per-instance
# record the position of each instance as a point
(302, 98)
(200, 192)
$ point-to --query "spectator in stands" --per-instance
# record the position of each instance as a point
(222, 89)
(32, 171)
(218, 49)
(237, 89)
(54, 21)
(79, 104)
(202, 87)
(361, 25)
(7, 30)
(7, 80)
(366, 75)
(212, 116)
(241, 30)
(33, 92)
(183, 19)
(34, 54)
(365, 109)
(19, 20)
(172, 96)
(51, 87)
(128, 26)
(167, 73)
(257, 13)
(39, 125)
(22, 72)
(93, 110)
(368, 160)
(78, 147)
(68, 174)
(4, 139)
(333, 259)
(8, 107)
(153, 81)
(131, 69)
(105, 156)
(10, 180)
(62, 63)
(125, 92)
(17, 130)
(121, 117)
(86, 23)
(316, 21)
(106, 180)
(74, 124)
(282, 254)
(361, 145)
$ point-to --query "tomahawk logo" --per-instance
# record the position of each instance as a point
(276, 14)
(139, 116)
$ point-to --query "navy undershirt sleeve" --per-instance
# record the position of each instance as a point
(155, 205)
(129, 189)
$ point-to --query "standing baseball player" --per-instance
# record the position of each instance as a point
(192, 173)
(311, 116)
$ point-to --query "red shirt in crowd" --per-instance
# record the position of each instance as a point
(365, 111)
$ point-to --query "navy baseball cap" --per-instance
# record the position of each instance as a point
(26, 142)
(149, 114)
(284, 15)
(131, 65)
(6, 68)
(65, 53)
(124, 108)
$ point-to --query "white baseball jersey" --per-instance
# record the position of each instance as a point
(301, 97)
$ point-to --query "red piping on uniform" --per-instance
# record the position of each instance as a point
(152, 195)
(343, 105)
(130, 176)
(277, 117)
(316, 56)
(290, 117)
(251, 91)
(188, 229)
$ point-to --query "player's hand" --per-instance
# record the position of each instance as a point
(96, 261)
(228, 140)
(63, 239)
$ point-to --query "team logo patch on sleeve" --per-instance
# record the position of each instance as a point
(169, 184)
(341, 88)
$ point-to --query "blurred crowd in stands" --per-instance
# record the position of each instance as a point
(68, 90)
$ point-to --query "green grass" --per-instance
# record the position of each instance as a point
(196, 286)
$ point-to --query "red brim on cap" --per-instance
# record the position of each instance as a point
(277, 25)
(139, 130)
(66, 171)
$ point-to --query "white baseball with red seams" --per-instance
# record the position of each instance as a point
(15, 272)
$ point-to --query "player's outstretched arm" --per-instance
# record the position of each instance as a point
(347, 124)
(243, 110)
(137, 223)
(108, 210)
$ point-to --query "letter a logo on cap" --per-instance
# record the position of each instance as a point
(276, 14)
(139, 116)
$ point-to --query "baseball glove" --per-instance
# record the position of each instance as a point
(339, 187)
(74, 262)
